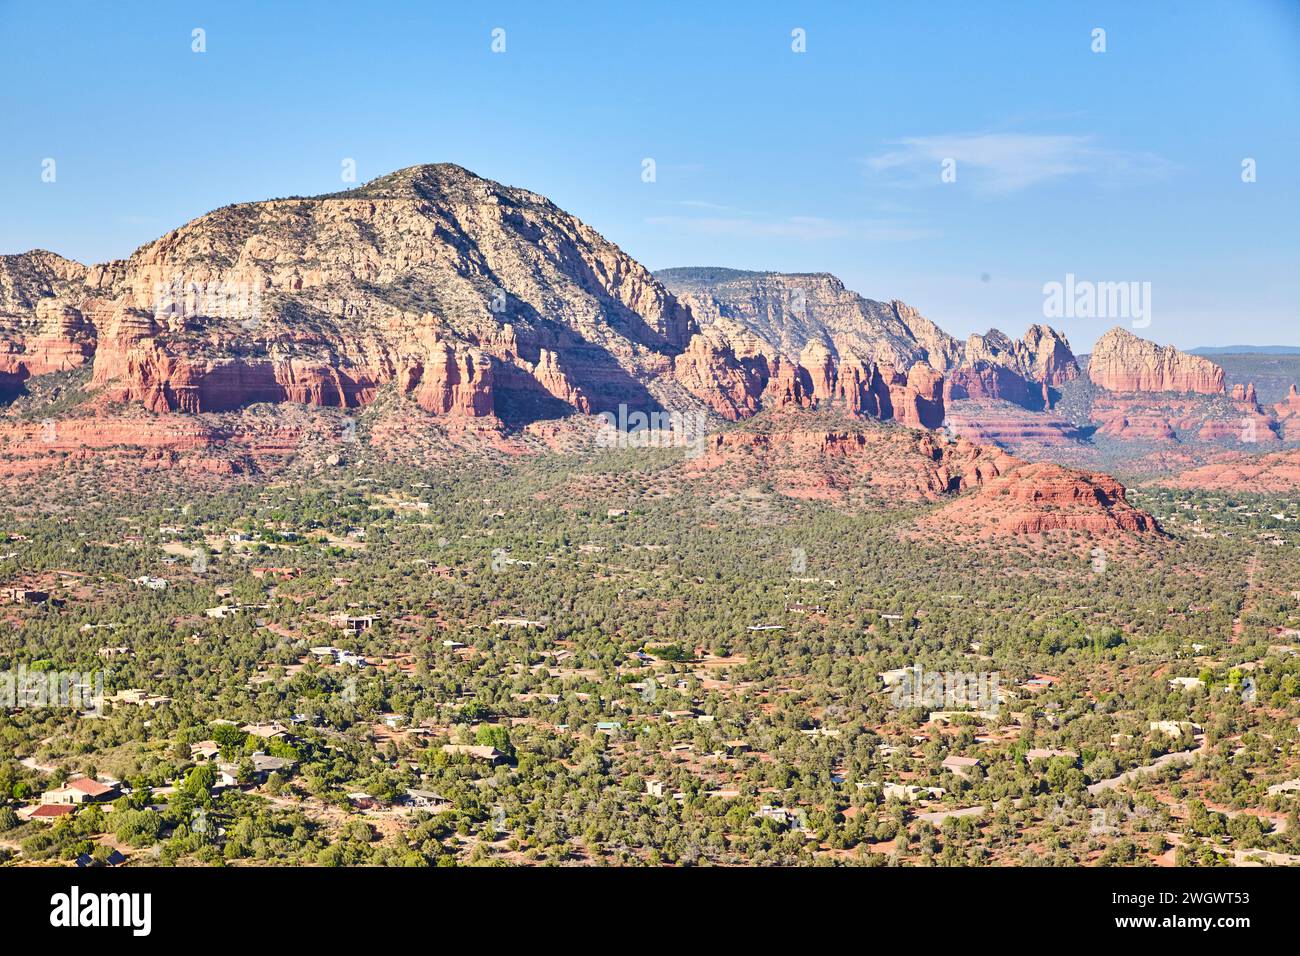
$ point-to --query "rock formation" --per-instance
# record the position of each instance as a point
(493, 310)
(1122, 362)
(866, 464)
(1277, 473)
(1042, 497)
(475, 299)
(792, 313)
(1288, 415)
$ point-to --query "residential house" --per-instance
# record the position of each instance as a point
(960, 765)
(205, 751)
(264, 765)
(271, 731)
(1047, 753)
(782, 816)
(895, 676)
(47, 812)
(425, 800)
(487, 754)
(909, 793)
(139, 698)
(355, 624)
(1175, 728)
(82, 790)
(24, 596)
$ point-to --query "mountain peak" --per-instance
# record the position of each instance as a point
(433, 181)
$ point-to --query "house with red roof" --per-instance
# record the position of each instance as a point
(48, 812)
(81, 790)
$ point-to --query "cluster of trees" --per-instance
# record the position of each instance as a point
(645, 612)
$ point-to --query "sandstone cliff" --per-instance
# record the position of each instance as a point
(1122, 362)
(789, 313)
(476, 299)
(1042, 497)
(861, 464)
(1288, 415)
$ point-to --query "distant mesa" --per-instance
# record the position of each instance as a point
(1247, 350)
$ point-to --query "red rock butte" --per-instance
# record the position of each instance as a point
(1042, 497)
(1122, 362)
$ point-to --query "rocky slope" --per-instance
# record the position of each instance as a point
(1288, 415)
(1011, 426)
(1278, 472)
(983, 491)
(39, 332)
(475, 299)
(786, 314)
(27, 278)
(1042, 497)
(1122, 362)
(810, 455)
(487, 309)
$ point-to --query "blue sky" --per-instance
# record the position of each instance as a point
(1117, 166)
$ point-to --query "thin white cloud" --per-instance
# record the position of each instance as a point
(804, 228)
(1009, 162)
(708, 206)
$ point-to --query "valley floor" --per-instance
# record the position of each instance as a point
(593, 661)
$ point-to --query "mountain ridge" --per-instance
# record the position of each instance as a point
(480, 302)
